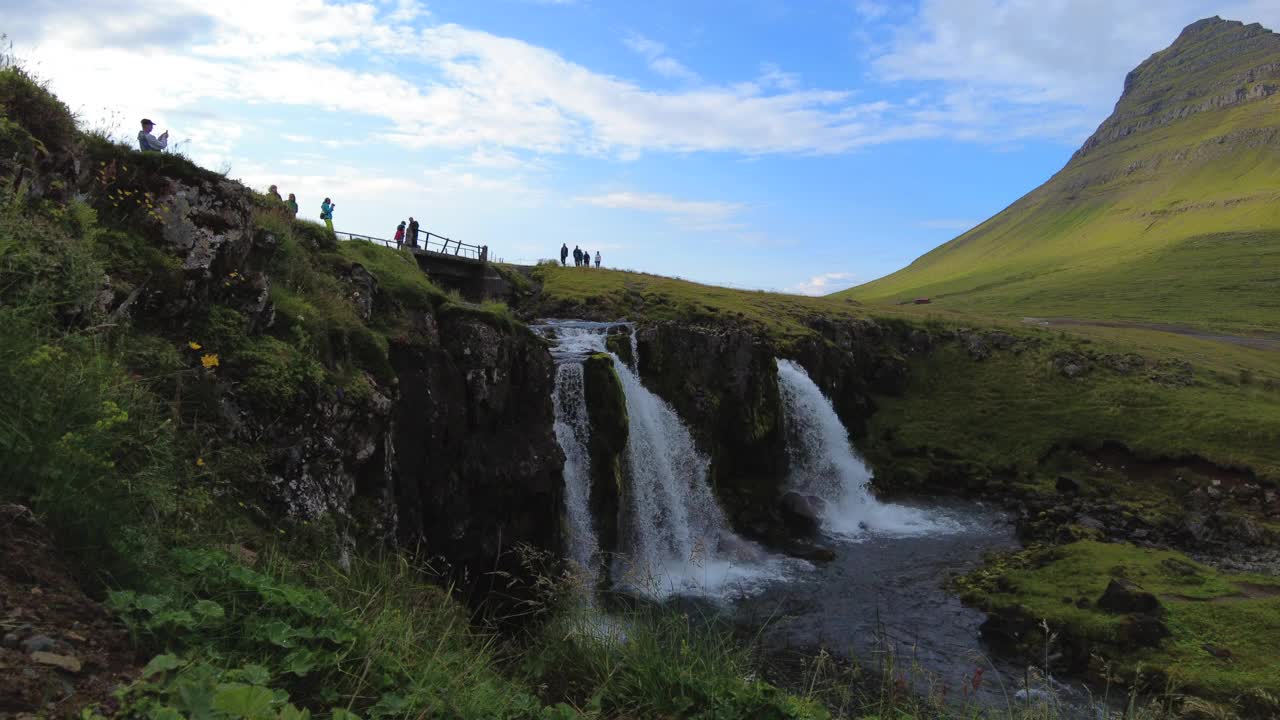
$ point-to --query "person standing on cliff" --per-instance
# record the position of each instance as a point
(292, 204)
(597, 259)
(413, 233)
(275, 194)
(577, 256)
(150, 143)
(326, 213)
(400, 235)
(564, 253)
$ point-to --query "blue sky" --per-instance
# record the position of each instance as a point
(801, 146)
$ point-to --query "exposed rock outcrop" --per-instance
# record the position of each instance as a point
(476, 467)
(1216, 63)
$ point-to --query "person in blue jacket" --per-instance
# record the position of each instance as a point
(326, 213)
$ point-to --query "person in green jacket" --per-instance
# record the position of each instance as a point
(292, 203)
(326, 213)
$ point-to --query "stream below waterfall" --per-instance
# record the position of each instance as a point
(882, 593)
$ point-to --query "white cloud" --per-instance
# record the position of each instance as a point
(700, 215)
(1037, 68)
(659, 61)
(825, 284)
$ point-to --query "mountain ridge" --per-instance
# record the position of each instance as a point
(1169, 212)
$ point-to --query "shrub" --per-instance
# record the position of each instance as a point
(381, 643)
(29, 103)
(89, 449)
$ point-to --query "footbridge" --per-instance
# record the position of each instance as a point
(451, 264)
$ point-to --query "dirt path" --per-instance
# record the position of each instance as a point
(1257, 342)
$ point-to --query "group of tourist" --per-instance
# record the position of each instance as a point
(407, 234)
(581, 258)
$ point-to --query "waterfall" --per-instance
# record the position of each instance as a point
(824, 465)
(573, 428)
(674, 536)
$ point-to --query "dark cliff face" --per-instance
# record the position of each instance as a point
(723, 382)
(1214, 63)
(476, 467)
(347, 408)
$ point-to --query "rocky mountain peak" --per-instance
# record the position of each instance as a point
(1214, 63)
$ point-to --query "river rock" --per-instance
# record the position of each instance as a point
(1067, 486)
(10, 641)
(1123, 596)
(802, 513)
(66, 662)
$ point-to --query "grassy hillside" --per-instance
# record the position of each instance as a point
(1170, 213)
(619, 294)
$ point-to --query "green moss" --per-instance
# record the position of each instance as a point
(397, 274)
(1010, 410)
(495, 314)
(275, 375)
(1236, 612)
(314, 235)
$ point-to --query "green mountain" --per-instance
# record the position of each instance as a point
(1169, 213)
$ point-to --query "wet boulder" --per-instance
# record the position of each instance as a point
(802, 513)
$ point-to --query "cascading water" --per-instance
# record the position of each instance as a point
(675, 539)
(823, 464)
(572, 429)
(573, 344)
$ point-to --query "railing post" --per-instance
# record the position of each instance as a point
(484, 253)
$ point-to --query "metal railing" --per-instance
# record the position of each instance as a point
(428, 242)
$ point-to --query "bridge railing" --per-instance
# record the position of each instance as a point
(430, 242)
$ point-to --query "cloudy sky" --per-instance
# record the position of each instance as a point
(803, 146)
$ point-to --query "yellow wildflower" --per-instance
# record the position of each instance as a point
(199, 462)
(210, 361)
(194, 345)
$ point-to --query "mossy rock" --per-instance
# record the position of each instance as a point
(610, 428)
(606, 404)
(620, 344)
(1223, 627)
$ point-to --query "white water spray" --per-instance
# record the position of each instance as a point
(824, 464)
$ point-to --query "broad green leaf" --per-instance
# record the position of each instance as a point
(121, 600)
(208, 609)
(152, 603)
(300, 661)
(172, 618)
(161, 663)
(165, 713)
(343, 714)
(289, 712)
(243, 701)
(278, 633)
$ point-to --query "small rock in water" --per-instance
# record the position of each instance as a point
(38, 643)
(1033, 695)
(66, 662)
